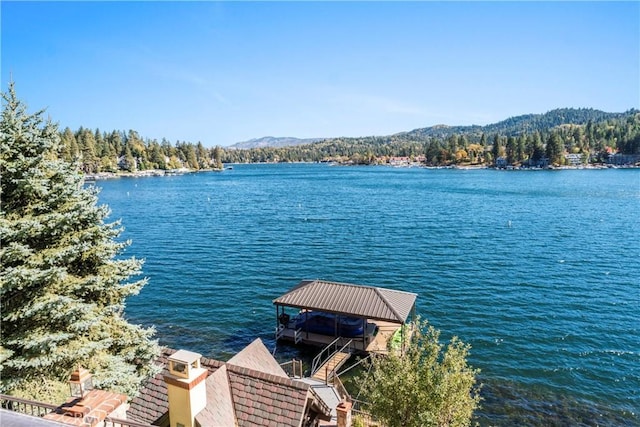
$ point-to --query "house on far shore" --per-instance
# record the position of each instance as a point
(251, 389)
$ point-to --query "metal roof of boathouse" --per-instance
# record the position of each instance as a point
(349, 299)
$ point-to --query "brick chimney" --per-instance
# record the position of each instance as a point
(343, 412)
(186, 388)
(88, 406)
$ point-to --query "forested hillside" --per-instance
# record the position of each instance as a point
(518, 125)
(591, 134)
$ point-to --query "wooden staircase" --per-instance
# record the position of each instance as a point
(328, 369)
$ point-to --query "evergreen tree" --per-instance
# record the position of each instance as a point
(511, 150)
(63, 288)
(520, 150)
(496, 149)
(217, 157)
(483, 140)
(554, 148)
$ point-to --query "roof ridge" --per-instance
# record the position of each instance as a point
(389, 305)
(233, 402)
(397, 291)
(265, 376)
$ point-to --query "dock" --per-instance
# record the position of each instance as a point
(377, 313)
(379, 334)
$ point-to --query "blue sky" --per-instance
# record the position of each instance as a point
(225, 72)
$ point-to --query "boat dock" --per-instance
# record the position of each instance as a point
(376, 341)
(366, 317)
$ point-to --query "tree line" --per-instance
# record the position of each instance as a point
(119, 151)
(593, 142)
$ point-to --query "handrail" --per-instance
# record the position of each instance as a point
(333, 375)
(294, 372)
(40, 409)
(354, 365)
(341, 389)
(316, 360)
(348, 344)
(358, 410)
(320, 402)
(17, 404)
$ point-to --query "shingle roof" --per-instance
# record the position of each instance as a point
(354, 300)
(262, 399)
(151, 405)
(259, 391)
(257, 357)
(219, 410)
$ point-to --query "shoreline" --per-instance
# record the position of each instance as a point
(145, 173)
(182, 171)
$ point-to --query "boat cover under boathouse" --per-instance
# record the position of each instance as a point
(326, 311)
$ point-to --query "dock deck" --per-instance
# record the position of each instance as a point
(374, 342)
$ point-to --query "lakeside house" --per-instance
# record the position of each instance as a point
(251, 389)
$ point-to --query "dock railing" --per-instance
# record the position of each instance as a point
(281, 330)
(325, 354)
(293, 368)
(340, 388)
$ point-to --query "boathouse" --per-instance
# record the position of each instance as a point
(327, 311)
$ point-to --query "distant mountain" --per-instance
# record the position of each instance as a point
(272, 141)
(520, 124)
(512, 126)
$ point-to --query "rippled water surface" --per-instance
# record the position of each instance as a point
(538, 271)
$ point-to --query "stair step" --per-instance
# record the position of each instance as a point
(333, 363)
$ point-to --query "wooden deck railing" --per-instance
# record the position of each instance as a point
(293, 368)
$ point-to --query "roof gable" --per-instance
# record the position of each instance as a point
(354, 300)
(257, 357)
(265, 399)
(237, 394)
(219, 410)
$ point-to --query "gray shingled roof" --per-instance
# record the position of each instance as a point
(353, 300)
(259, 391)
(257, 357)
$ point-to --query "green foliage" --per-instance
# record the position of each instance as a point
(429, 385)
(63, 284)
(554, 148)
(357, 421)
(519, 138)
(585, 130)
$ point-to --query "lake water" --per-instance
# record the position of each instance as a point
(538, 271)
